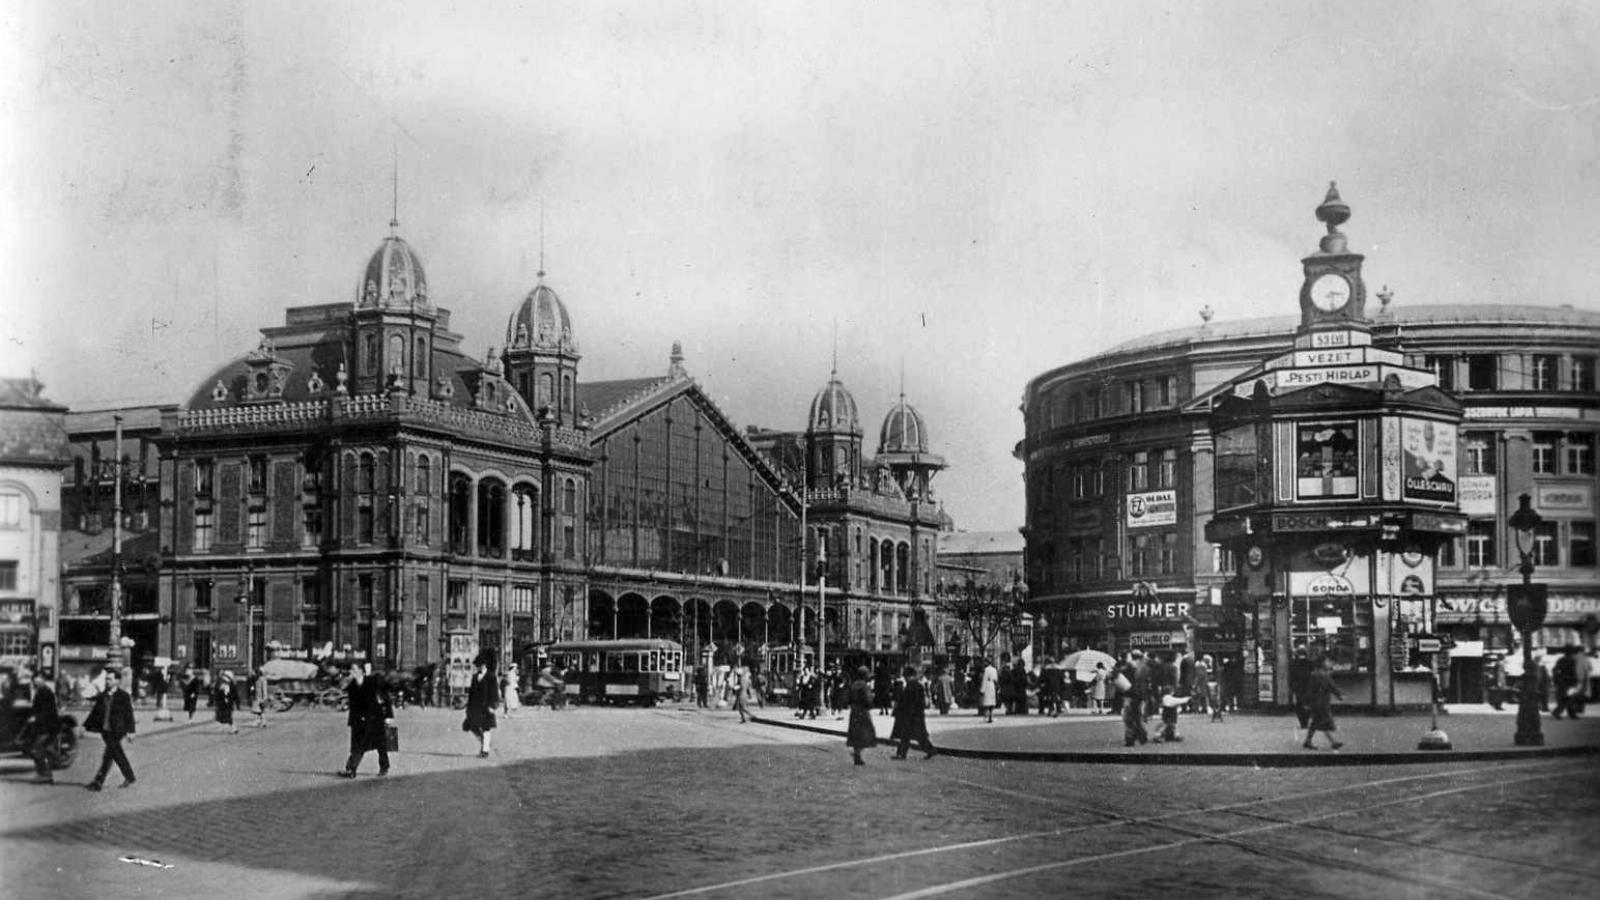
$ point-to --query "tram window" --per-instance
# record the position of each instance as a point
(655, 661)
(613, 662)
(630, 662)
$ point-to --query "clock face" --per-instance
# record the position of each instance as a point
(1330, 292)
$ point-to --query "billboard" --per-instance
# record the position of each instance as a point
(1428, 455)
(1152, 508)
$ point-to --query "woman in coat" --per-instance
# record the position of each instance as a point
(224, 700)
(860, 734)
(370, 715)
(910, 716)
(483, 695)
(1320, 691)
(988, 691)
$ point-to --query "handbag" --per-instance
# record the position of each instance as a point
(391, 736)
(1123, 684)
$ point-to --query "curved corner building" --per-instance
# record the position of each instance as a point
(1245, 489)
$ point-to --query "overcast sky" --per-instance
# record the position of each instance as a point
(968, 193)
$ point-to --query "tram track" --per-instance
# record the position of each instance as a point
(1172, 823)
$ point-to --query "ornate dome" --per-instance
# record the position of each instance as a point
(833, 409)
(903, 430)
(540, 322)
(393, 277)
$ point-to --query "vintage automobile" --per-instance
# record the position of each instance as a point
(16, 733)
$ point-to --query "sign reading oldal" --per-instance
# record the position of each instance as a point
(1428, 452)
(1152, 508)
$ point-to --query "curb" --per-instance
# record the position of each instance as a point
(1266, 760)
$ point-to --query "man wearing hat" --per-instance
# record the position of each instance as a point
(117, 709)
(223, 701)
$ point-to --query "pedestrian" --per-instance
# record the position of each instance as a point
(882, 688)
(192, 686)
(1299, 675)
(224, 700)
(1052, 689)
(702, 686)
(42, 728)
(910, 717)
(736, 688)
(509, 699)
(1134, 688)
(260, 691)
(1206, 689)
(158, 685)
(988, 691)
(943, 691)
(549, 688)
(838, 690)
(1320, 691)
(371, 714)
(483, 695)
(860, 733)
(806, 696)
(1570, 677)
(1164, 695)
(112, 716)
(1100, 687)
(758, 687)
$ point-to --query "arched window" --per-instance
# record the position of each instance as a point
(397, 353)
(902, 565)
(524, 523)
(491, 519)
(566, 393)
(366, 491)
(569, 497)
(460, 514)
(369, 354)
(886, 567)
(546, 388)
(419, 360)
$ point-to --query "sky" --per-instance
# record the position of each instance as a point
(947, 198)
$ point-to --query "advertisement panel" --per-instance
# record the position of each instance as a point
(1428, 450)
(1152, 508)
(1478, 495)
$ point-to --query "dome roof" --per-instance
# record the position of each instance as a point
(540, 322)
(833, 409)
(903, 430)
(393, 277)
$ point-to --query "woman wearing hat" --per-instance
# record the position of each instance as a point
(483, 695)
(224, 699)
(860, 734)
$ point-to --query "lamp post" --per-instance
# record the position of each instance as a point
(1527, 604)
(115, 654)
(247, 597)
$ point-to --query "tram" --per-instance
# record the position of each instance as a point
(783, 665)
(644, 671)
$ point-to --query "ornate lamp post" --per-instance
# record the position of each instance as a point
(1527, 604)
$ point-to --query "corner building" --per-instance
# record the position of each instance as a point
(1338, 479)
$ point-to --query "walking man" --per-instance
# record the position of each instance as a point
(910, 716)
(483, 695)
(116, 726)
(44, 721)
(860, 734)
(1133, 700)
(371, 713)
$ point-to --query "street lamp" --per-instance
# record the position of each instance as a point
(1527, 604)
(246, 596)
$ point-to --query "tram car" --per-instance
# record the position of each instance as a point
(783, 665)
(639, 672)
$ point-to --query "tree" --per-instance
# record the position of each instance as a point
(985, 609)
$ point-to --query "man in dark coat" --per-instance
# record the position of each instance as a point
(483, 695)
(860, 734)
(44, 720)
(371, 713)
(1133, 700)
(116, 726)
(910, 716)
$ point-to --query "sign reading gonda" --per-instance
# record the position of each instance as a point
(1152, 508)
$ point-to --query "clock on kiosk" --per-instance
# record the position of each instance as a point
(1330, 292)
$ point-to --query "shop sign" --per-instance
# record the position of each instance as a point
(1091, 440)
(1328, 585)
(1441, 524)
(1559, 497)
(1306, 359)
(1531, 412)
(1082, 519)
(1320, 522)
(1155, 638)
(1477, 495)
(1300, 378)
(1428, 451)
(1147, 609)
(16, 615)
(1152, 508)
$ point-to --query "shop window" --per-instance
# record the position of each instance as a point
(1326, 461)
(1337, 628)
(8, 575)
(1483, 372)
(1478, 452)
(488, 598)
(1580, 546)
(1543, 458)
(1480, 545)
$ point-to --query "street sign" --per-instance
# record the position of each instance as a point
(1429, 645)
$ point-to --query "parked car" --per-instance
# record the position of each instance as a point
(16, 733)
